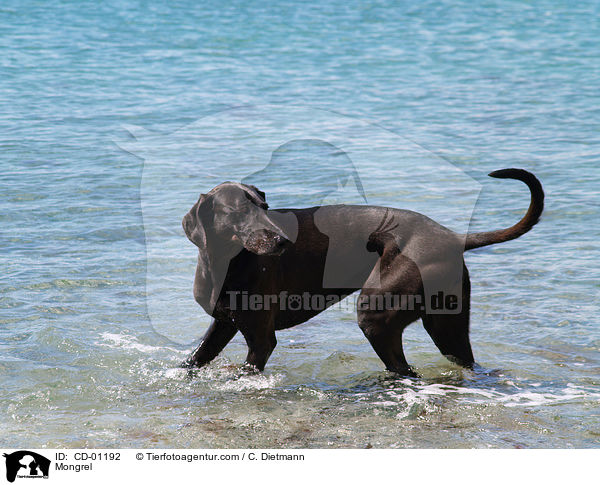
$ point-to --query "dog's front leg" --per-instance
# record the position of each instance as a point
(261, 341)
(216, 338)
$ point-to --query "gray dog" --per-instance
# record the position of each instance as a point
(262, 270)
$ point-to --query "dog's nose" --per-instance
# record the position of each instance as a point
(280, 242)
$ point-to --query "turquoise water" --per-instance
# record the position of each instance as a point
(114, 117)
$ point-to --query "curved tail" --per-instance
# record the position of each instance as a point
(530, 219)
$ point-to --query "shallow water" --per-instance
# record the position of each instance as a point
(96, 310)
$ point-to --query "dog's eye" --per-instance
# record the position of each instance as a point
(227, 211)
(260, 203)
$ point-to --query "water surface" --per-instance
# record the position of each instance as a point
(479, 87)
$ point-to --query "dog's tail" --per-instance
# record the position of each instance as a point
(530, 219)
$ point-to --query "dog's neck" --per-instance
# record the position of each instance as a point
(211, 272)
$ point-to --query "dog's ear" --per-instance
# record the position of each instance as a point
(261, 200)
(193, 224)
(259, 192)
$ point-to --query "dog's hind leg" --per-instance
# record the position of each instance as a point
(384, 332)
(215, 339)
(450, 331)
(380, 316)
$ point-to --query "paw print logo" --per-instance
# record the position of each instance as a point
(294, 302)
(382, 236)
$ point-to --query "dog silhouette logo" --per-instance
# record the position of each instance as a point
(26, 464)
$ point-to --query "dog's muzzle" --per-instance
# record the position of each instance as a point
(266, 242)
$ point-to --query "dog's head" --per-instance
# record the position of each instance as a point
(233, 216)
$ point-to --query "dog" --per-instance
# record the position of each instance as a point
(255, 264)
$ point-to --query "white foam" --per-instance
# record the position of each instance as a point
(529, 398)
(119, 340)
(176, 373)
(421, 394)
(254, 382)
